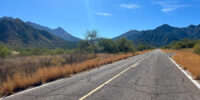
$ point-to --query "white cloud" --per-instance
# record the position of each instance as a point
(103, 14)
(130, 6)
(165, 10)
(168, 6)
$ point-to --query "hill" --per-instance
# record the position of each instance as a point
(60, 32)
(162, 35)
(130, 35)
(16, 33)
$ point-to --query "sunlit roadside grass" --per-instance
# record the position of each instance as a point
(188, 60)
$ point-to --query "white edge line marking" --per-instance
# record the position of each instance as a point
(99, 87)
(21, 92)
(196, 83)
(27, 90)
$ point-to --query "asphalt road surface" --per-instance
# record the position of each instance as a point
(151, 76)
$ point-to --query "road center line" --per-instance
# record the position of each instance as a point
(99, 87)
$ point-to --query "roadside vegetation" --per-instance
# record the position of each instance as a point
(4, 52)
(26, 67)
(187, 54)
(197, 48)
(184, 44)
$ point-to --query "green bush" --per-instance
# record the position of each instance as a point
(197, 48)
(39, 52)
(4, 52)
(107, 45)
(58, 51)
(83, 44)
(141, 47)
(124, 45)
(58, 61)
(185, 43)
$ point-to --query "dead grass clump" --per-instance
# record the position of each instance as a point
(29, 65)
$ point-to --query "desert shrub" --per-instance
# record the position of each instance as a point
(197, 48)
(85, 46)
(42, 52)
(57, 61)
(4, 52)
(32, 51)
(58, 51)
(124, 45)
(141, 47)
(185, 43)
(107, 45)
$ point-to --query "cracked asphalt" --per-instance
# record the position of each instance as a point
(154, 78)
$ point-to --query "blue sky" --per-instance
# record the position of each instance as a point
(110, 17)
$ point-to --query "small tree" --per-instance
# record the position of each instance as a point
(83, 45)
(107, 45)
(141, 47)
(124, 45)
(91, 36)
(197, 48)
(4, 52)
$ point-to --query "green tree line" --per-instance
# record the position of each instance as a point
(93, 44)
(185, 43)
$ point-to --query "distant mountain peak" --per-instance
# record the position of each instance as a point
(131, 35)
(133, 31)
(11, 19)
(19, 20)
(162, 35)
(6, 18)
(59, 31)
(59, 28)
(16, 33)
(192, 26)
(164, 26)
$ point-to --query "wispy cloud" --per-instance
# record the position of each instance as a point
(130, 6)
(103, 14)
(168, 6)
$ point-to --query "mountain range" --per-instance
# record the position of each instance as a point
(162, 35)
(16, 33)
(60, 32)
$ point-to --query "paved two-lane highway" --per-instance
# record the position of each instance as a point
(151, 76)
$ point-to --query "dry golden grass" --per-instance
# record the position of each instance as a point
(188, 60)
(10, 66)
(42, 75)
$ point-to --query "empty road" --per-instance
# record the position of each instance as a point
(151, 76)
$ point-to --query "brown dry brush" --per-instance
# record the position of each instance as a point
(21, 80)
(188, 60)
(28, 65)
(10, 66)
